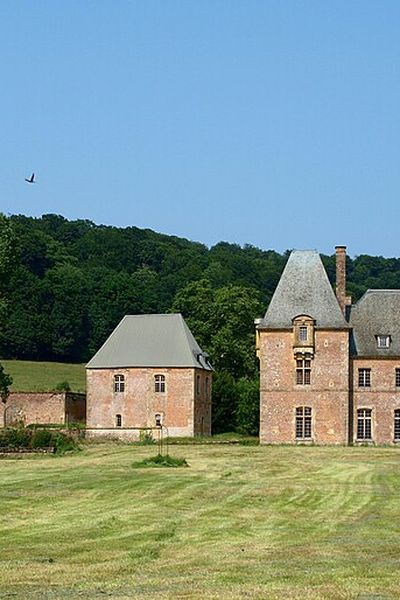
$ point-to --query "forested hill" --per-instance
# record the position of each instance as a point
(73, 281)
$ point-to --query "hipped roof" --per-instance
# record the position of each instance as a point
(304, 289)
(157, 340)
(376, 313)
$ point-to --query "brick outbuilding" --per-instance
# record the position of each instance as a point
(329, 370)
(150, 370)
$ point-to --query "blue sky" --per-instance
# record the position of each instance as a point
(273, 123)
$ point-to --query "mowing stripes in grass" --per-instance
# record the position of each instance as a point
(254, 522)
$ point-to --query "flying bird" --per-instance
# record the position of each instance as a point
(31, 179)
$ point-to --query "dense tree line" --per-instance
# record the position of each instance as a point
(72, 281)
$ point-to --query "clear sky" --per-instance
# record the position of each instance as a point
(272, 123)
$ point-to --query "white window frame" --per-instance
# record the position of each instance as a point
(364, 377)
(383, 341)
(159, 383)
(364, 424)
(119, 383)
(396, 425)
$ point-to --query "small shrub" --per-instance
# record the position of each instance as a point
(42, 438)
(63, 386)
(160, 461)
(16, 437)
(24, 437)
(64, 443)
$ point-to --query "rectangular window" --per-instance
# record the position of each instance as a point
(118, 420)
(397, 377)
(303, 423)
(198, 385)
(159, 383)
(397, 425)
(303, 371)
(364, 424)
(303, 333)
(119, 383)
(364, 377)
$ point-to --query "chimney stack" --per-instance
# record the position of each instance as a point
(341, 278)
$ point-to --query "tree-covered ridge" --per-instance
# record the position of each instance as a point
(74, 281)
(71, 282)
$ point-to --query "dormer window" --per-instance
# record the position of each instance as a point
(383, 341)
(303, 334)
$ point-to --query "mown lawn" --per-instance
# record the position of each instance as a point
(239, 522)
(34, 376)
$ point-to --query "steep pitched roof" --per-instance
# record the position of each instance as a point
(376, 313)
(304, 289)
(150, 341)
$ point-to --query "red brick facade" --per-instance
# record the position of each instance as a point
(327, 394)
(183, 402)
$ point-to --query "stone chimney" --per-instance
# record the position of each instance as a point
(341, 278)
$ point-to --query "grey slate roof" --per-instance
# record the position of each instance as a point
(304, 289)
(150, 341)
(376, 313)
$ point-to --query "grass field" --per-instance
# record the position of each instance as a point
(31, 376)
(239, 522)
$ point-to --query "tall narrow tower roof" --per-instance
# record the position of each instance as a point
(304, 289)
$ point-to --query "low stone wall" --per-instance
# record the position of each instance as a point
(43, 408)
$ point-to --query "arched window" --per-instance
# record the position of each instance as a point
(397, 425)
(118, 420)
(303, 423)
(159, 383)
(119, 383)
(364, 424)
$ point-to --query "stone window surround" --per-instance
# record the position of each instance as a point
(303, 370)
(364, 377)
(159, 383)
(364, 425)
(303, 423)
(396, 425)
(119, 383)
(303, 332)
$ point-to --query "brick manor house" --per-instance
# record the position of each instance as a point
(329, 370)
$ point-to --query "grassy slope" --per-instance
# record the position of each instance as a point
(30, 376)
(240, 522)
